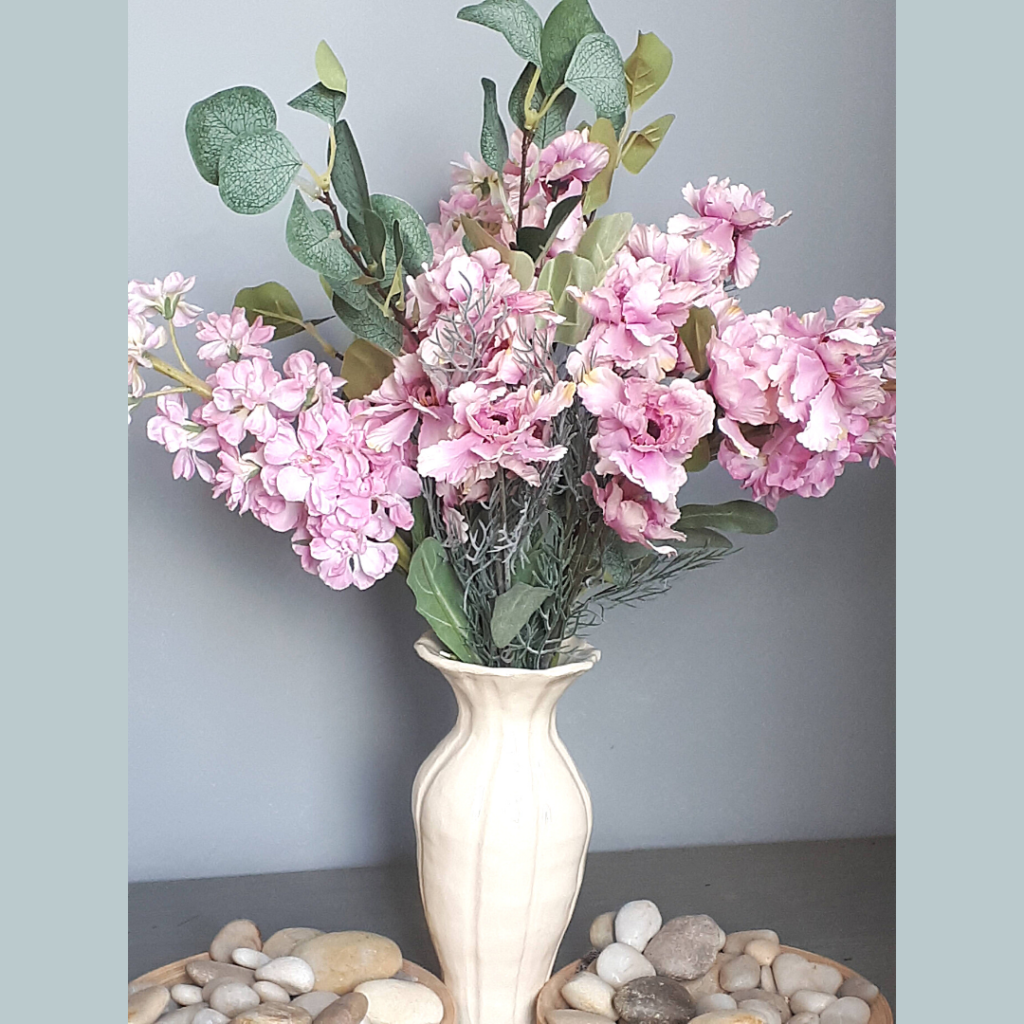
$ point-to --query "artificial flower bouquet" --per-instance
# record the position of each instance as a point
(530, 383)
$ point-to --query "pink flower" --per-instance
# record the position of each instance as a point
(239, 477)
(250, 395)
(230, 336)
(739, 359)
(572, 156)
(343, 556)
(646, 430)
(172, 428)
(633, 514)
(315, 380)
(143, 337)
(163, 297)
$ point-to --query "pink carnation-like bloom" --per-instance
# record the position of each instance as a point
(229, 336)
(634, 514)
(163, 297)
(572, 156)
(250, 395)
(172, 428)
(240, 479)
(646, 430)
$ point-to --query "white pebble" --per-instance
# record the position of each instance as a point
(736, 942)
(767, 979)
(208, 1015)
(806, 1000)
(245, 957)
(793, 972)
(183, 1015)
(619, 963)
(315, 1002)
(147, 1004)
(805, 1018)
(602, 930)
(585, 991)
(636, 923)
(716, 1001)
(743, 972)
(401, 1002)
(848, 1010)
(270, 992)
(763, 1009)
(294, 975)
(859, 987)
(233, 997)
(764, 951)
(186, 995)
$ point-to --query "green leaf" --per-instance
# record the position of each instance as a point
(376, 240)
(732, 517)
(596, 71)
(512, 611)
(647, 68)
(699, 458)
(516, 20)
(329, 69)
(552, 124)
(556, 275)
(493, 141)
(522, 267)
(256, 172)
(603, 239)
(517, 97)
(535, 241)
(568, 22)
(439, 598)
(615, 560)
(364, 367)
(321, 102)
(418, 249)
(313, 241)
(695, 335)
(370, 323)
(214, 123)
(269, 300)
(421, 521)
(478, 237)
(600, 188)
(642, 145)
(700, 537)
(348, 177)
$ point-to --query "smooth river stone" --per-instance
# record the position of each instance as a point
(343, 960)
(252, 958)
(147, 1004)
(602, 930)
(586, 991)
(274, 1013)
(848, 1010)
(292, 973)
(186, 995)
(773, 999)
(619, 963)
(575, 1017)
(764, 951)
(728, 1017)
(806, 1000)
(767, 979)
(805, 1018)
(183, 1015)
(202, 972)
(636, 923)
(707, 984)
(314, 1002)
(212, 986)
(685, 947)
(857, 986)
(716, 1001)
(233, 997)
(269, 992)
(654, 1001)
(233, 935)
(208, 1015)
(284, 941)
(792, 973)
(348, 1009)
(770, 1014)
(401, 1002)
(736, 942)
(743, 972)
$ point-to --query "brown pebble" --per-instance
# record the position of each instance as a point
(349, 1009)
(240, 934)
(202, 972)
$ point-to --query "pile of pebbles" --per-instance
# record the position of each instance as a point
(688, 971)
(298, 976)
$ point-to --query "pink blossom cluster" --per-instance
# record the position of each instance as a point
(291, 453)
(801, 396)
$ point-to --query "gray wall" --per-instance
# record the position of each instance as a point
(276, 725)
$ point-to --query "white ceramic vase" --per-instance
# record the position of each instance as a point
(503, 821)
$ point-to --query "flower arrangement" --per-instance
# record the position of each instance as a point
(530, 384)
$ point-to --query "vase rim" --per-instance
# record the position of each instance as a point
(584, 657)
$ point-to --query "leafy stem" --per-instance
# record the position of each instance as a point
(527, 139)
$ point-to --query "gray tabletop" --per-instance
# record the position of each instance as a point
(836, 898)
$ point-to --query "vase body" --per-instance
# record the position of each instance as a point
(502, 820)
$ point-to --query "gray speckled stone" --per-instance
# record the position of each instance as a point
(685, 947)
(654, 1001)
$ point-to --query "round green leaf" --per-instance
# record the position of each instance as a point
(568, 22)
(364, 367)
(256, 172)
(329, 69)
(596, 71)
(321, 102)
(516, 20)
(647, 68)
(314, 242)
(417, 247)
(214, 123)
(270, 300)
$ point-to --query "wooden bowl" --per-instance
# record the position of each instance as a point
(173, 974)
(550, 996)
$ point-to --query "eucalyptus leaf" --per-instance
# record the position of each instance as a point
(513, 609)
(552, 124)
(313, 241)
(439, 598)
(600, 188)
(615, 560)
(695, 335)
(516, 20)
(521, 266)
(493, 141)
(596, 72)
(364, 367)
(370, 323)
(517, 97)
(642, 145)
(321, 102)
(270, 300)
(568, 22)
(376, 240)
(417, 247)
(647, 68)
(536, 241)
(603, 239)
(329, 69)
(348, 177)
(256, 171)
(699, 458)
(556, 275)
(421, 521)
(214, 123)
(738, 516)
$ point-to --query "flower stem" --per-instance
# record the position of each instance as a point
(404, 554)
(186, 377)
(177, 350)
